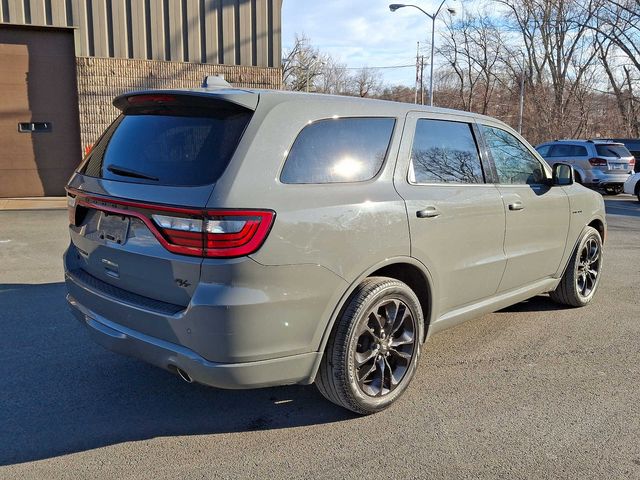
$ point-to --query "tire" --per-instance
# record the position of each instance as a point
(359, 337)
(577, 178)
(582, 276)
(613, 190)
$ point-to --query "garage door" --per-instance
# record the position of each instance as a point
(39, 126)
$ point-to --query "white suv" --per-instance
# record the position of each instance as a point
(632, 185)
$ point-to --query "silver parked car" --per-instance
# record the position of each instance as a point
(604, 164)
(248, 238)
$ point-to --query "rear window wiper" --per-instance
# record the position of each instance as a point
(127, 172)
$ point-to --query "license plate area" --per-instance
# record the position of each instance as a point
(113, 227)
(617, 166)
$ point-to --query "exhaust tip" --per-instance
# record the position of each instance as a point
(183, 375)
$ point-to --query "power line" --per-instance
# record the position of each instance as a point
(383, 67)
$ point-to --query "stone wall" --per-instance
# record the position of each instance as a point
(101, 79)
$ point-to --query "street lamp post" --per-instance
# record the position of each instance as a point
(314, 60)
(396, 6)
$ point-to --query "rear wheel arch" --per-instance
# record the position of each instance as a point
(406, 269)
(416, 280)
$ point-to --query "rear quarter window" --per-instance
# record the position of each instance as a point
(338, 151)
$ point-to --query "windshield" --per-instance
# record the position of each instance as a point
(164, 147)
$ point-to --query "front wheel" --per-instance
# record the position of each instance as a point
(582, 276)
(373, 349)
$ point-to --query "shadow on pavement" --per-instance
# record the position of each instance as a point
(62, 394)
(622, 207)
(540, 303)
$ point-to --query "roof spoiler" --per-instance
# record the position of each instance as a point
(215, 81)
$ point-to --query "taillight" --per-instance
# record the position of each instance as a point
(220, 233)
(598, 162)
(632, 163)
(71, 208)
(208, 233)
(236, 233)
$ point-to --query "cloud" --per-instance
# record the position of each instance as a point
(359, 32)
(364, 32)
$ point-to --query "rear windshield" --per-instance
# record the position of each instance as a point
(168, 147)
(612, 151)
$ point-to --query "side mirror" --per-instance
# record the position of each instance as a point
(562, 175)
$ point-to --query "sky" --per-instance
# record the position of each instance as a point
(364, 32)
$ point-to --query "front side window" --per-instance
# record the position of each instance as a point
(515, 164)
(338, 150)
(444, 152)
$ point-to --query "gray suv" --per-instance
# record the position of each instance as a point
(604, 164)
(248, 238)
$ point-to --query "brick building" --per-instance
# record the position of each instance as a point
(63, 61)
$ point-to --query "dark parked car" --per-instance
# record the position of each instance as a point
(633, 145)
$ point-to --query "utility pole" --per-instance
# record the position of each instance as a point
(421, 80)
(521, 95)
(415, 100)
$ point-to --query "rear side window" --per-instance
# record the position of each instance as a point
(164, 147)
(444, 152)
(568, 151)
(578, 151)
(613, 150)
(338, 150)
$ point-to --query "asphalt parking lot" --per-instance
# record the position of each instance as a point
(533, 391)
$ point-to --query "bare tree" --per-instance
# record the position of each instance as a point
(473, 47)
(617, 32)
(302, 65)
(335, 78)
(366, 82)
(556, 36)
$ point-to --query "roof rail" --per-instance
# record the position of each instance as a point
(215, 81)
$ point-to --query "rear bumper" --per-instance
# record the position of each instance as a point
(240, 311)
(596, 178)
(279, 371)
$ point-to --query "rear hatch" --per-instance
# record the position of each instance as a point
(613, 158)
(136, 203)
